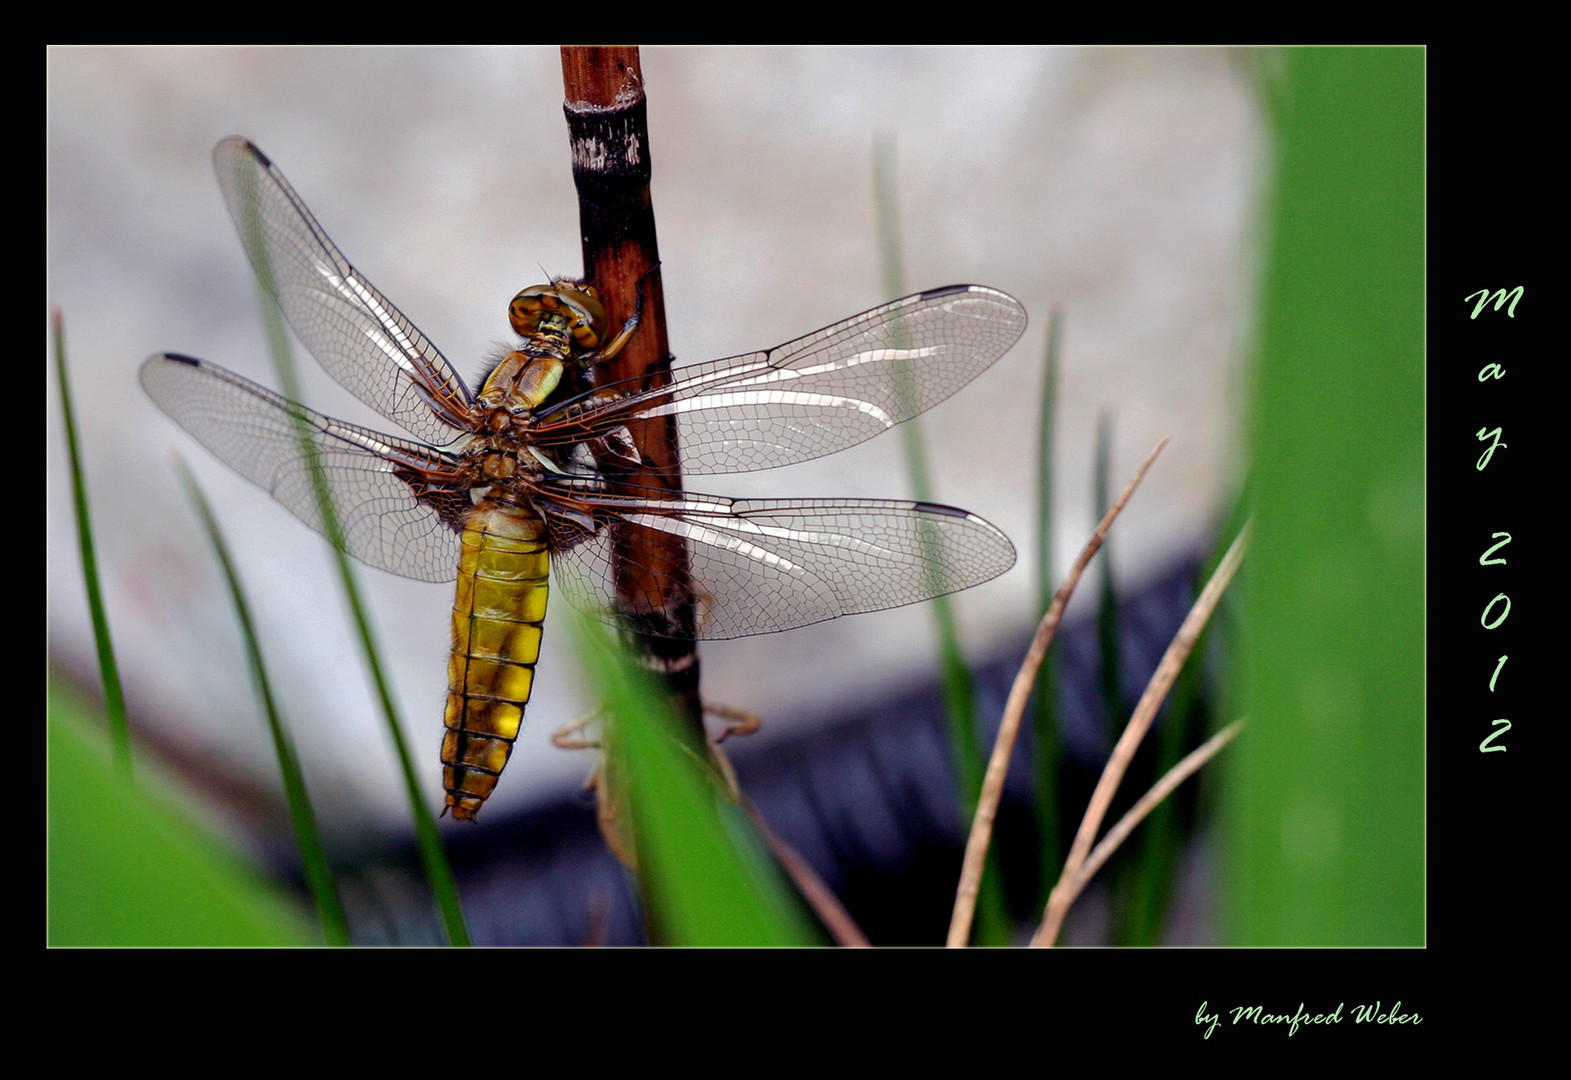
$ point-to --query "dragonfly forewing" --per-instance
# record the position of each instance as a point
(356, 333)
(816, 395)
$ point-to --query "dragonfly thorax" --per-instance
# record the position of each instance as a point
(563, 322)
(522, 381)
(499, 465)
(501, 469)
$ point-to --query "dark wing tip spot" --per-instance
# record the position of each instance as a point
(941, 510)
(946, 290)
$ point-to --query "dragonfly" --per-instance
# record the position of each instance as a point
(529, 477)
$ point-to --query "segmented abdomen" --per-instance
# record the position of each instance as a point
(497, 615)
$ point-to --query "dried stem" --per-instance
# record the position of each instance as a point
(1009, 726)
(1068, 886)
(608, 130)
(1151, 799)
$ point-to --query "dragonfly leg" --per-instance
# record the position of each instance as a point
(609, 792)
(738, 721)
(569, 736)
(614, 346)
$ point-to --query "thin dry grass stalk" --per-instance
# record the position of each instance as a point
(1014, 711)
(1151, 799)
(1069, 882)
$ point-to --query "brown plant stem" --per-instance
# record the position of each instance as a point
(608, 131)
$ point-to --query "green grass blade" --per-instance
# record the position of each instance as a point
(1154, 850)
(705, 878)
(1159, 845)
(1326, 797)
(433, 856)
(126, 870)
(1111, 681)
(108, 670)
(1109, 675)
(992, 922)
(313, 857)
(1047, 753)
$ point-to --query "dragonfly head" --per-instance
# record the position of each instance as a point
(571, 304)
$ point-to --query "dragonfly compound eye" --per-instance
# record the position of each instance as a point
(578, 307)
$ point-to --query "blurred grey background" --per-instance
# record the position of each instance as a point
(1116, 184)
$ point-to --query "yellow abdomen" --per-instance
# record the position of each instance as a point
(497, 614)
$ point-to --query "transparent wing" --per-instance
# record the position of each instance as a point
(399, 503)
(761, 565)
(358, 336)
(818, 394)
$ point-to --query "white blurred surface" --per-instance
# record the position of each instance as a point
(1116, 184)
